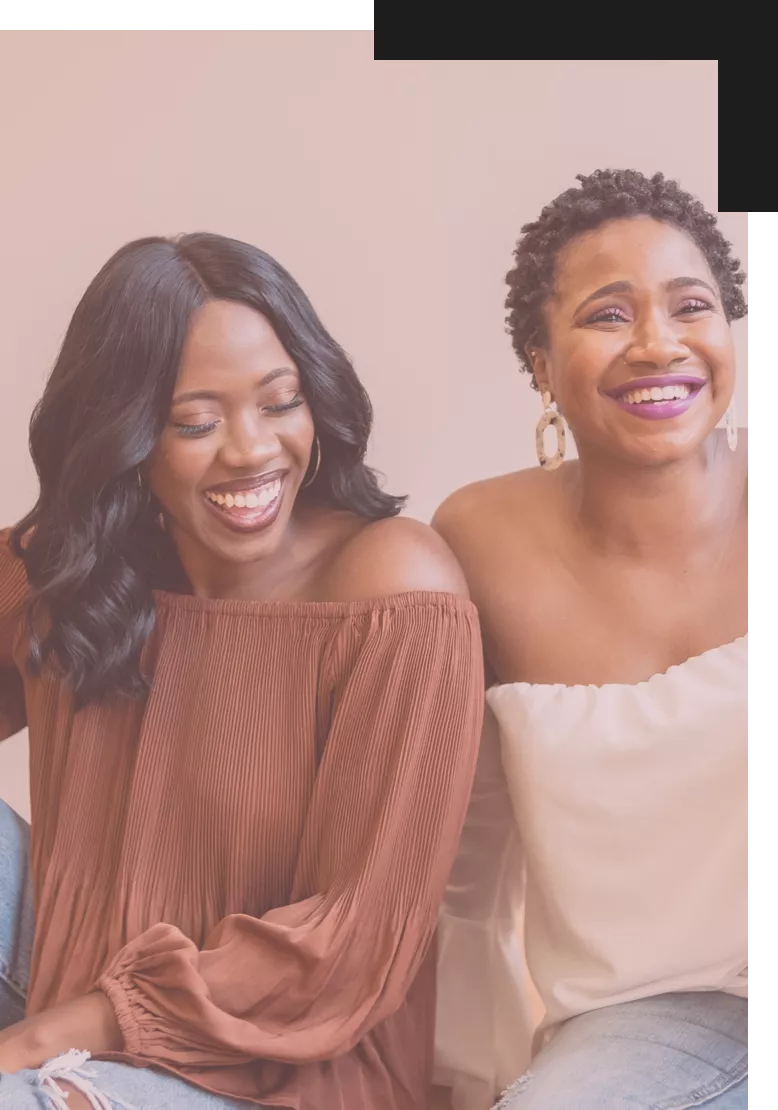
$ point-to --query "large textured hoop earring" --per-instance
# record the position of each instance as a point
(550, 417)
(730, 422)
(308, 481)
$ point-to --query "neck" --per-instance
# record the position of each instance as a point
(682, 508)
(279, 575)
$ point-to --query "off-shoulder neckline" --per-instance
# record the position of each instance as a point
(407, 600)
(659, 676)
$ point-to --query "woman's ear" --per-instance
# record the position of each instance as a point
(537, 359)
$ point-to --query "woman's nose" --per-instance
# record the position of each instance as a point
(656, 344)
(249, 445)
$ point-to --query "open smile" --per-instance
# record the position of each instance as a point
(658, 398)
(248, 505)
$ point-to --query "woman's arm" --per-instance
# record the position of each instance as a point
(308, 980)
(88, 1022)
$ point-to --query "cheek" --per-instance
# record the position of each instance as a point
(177, 469)
(718, 349)
(581, 365)
(298, 432)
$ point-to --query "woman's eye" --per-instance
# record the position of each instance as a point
(284, 406)
(694, 305)
(195, 429)
(607, 316)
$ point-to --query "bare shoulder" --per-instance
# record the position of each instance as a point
(476, 514)
(391, 556)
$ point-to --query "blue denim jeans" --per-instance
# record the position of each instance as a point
(669, 1052)
(110, 1086)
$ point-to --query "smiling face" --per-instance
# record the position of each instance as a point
(238, 441)
(639, 355)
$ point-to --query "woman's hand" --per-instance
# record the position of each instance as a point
(87, 1023)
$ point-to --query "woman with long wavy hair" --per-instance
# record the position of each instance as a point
(253, 696)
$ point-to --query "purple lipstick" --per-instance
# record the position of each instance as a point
(660, 397)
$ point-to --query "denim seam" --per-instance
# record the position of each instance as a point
(718, 1086)
(662, 1042)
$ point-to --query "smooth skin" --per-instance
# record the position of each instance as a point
(633, 558)
(252, 419)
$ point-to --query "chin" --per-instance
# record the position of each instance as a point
(241, 550)
(221, 546)
(666, 447)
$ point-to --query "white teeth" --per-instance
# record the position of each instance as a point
(251, 499)
(657, 393)
(270, 493)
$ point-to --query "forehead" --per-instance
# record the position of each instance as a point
(224, 333)
(642, 251)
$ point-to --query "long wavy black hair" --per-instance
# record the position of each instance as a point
(92, 546)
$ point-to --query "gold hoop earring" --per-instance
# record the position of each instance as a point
(554, 418)
(730, 422)
(308, 481)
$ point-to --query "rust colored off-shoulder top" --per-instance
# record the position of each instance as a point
(249, 862)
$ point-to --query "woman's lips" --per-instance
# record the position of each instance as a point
(658, 397)
(249, 509)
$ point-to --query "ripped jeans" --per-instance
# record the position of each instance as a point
(670, 1052)
(105, 1085)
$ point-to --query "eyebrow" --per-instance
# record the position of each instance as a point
(213, 395)
(627, 287)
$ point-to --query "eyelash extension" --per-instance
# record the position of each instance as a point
(196, 429)
(295, 403)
